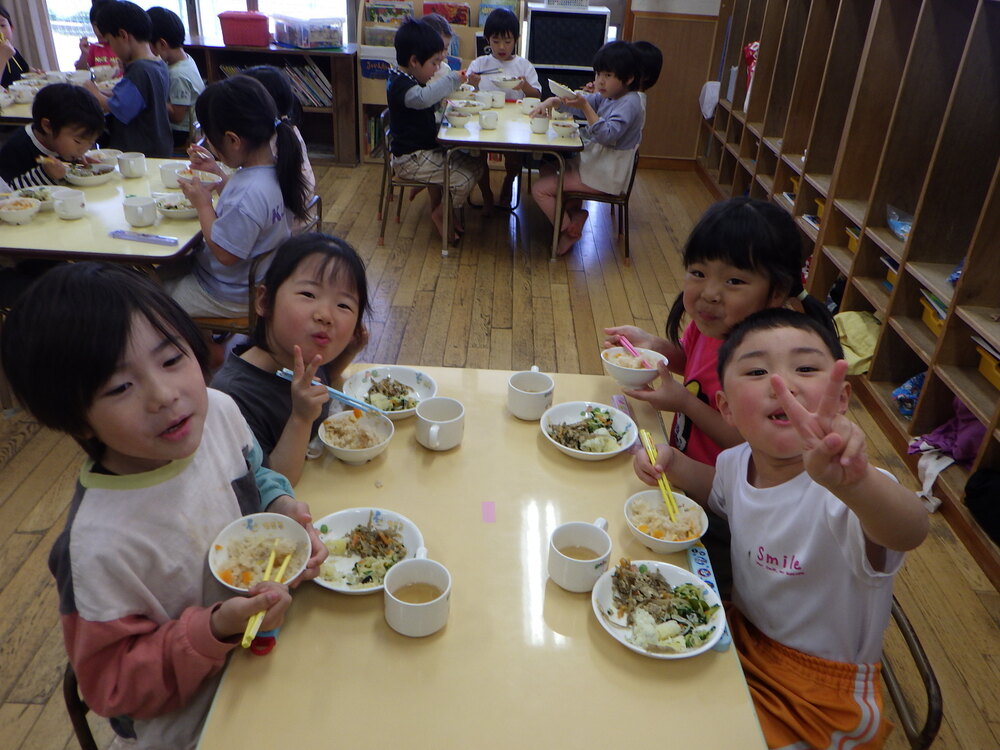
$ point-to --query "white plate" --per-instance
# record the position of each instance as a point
(602, 599)
(47, 204)
(560, 90)
(102, 173)
(422, 384)
(572, 411)
(173, 213)
(343, 521)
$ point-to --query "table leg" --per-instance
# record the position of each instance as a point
(557, 217)
(446, 204)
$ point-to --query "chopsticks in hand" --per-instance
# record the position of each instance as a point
(286, 374)
(668, 494)
(253, 624)
(633, 351)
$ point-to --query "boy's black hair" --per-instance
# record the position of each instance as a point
(621, 59)
(123, 15)
(166, 25)
(95, 8)
(338, 258)
(6, 14)
(439, 23)
(66, 105)
(752, 235)
(501, 22)
(67, 333)
(770, 319)
(650, 64)
(277, 85)
(416, 39)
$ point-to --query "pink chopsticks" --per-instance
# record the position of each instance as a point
(633, 351)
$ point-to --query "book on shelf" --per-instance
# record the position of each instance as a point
(454, 13)
(940, 308)
(987, 346)
(387, 12)
(380, 36)
(321, 81)
(486, 8)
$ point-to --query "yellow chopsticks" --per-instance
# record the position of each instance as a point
(668, 494)
(253, 624)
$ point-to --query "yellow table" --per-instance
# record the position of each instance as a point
(48, 236)
(521, 663)
(15, 114)
(513, 133)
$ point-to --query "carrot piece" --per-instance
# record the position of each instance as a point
(246, 577)
(358, 414)
(227, 576)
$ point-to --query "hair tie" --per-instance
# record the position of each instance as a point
(284, 118)
(803, 294)
(277, 122)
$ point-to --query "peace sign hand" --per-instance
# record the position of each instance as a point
(833, 446)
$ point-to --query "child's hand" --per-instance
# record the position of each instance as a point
(833, 447)
(576, 101)
(669, 395)
(54, 168)
(472, 79)
(84, 44)
(202, 159)
(588, 87)
(196, 191)
(299, 511)
(307, 398)
(636, 336)
(648, 472)
(230, 618)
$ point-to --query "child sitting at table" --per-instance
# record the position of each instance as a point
(817, 533)
(310, 319)
(501, 31)
(65, 122)
(615, 116)
(97, 54)
(185, 79)
(169, 464)
(138, 103)
(650, 65)
(413, 98)
(12, 63)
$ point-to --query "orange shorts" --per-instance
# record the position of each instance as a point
(803, 701)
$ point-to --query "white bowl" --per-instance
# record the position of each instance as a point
(166, 202)
(458, 119)
(6, 98)
(258, 526)
(422, 384)
(564, 128)
(78, 76)
(507, 84)
(191, 174)
(665, 546)
(573, 411)
(104, 155)
(626, 376)
(19, 210)
(380, 424)
(336, 525)
(101, 174)
(55, 76)
(42, 193)
(560, 90)
(104, 72)
(467, 107)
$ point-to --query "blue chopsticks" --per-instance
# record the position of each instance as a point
(286, 374)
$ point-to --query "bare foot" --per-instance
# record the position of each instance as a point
(576, 221)
(566, 242)
(437, 216)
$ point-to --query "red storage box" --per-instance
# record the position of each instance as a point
(244, 28)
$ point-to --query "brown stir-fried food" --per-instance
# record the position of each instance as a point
(388, 394)
(634, 588)
(368, 541)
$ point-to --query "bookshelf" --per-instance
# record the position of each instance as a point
(856, 106)
(325, 83)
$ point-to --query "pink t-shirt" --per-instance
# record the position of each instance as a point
(700, 378)
(99, 53)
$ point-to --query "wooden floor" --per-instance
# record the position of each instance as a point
(498, 302)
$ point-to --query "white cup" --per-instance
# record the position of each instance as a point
(489, 120)
(484, 97)
(168, 173)
(498, 98)
(140, 211)
(529, 393)
(417, 619)
(69, 203)
(440, 423)
(573, 573)
(540, 125)
(132, 164)
(528, 103)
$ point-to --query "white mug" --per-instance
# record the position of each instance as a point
(566, 545)
(489, 120)
(440, 423)
(540, 125)
(69, 203)
(132, 164)
(529, 393)
(423, 616)
(168, 173)
(484, 97)
(528, 103)
(140, 211)
(498, 98)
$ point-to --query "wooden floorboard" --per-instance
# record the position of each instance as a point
(496, 301)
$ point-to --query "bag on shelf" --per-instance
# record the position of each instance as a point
(858, 333)
(907, 394)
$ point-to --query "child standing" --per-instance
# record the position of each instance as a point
(138, 103)
(185, 79)
(501, 31)
(310, 310)
(818, 533)
(169, 465)
(615, 117)
(254, 210)
(413, 98)
(12, 63)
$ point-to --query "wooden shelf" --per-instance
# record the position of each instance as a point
(854, 210)
(842, 258)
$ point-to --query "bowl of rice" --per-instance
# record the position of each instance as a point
(238, 556)
(627, 370)
(356, 437)
(647, 519)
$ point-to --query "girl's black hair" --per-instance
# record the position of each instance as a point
(621, 59)
(277, 85)
(501, 22)
(439, 23)
(338, 258)
(752, 235)
(66, 335)
(241, 104)
(650, 64)
(6, 14)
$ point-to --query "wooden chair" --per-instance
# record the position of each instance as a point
(77, 710)
(621, 201)
(919, 737)
(389, 180)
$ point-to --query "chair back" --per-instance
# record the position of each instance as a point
(77, 710)
(919, 737)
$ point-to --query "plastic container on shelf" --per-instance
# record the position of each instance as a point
(244, 28)
(309, 33)
(930, 318)
(989, 366)
(853, 238)
(820, 205)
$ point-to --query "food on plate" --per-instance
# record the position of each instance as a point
(247, 558)
(374, 550)
(391, 395)
(174, 203)
(88, 170)
(595, 433)
(660, 617)
(41, 193)
(650, 517)
(350, 432)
